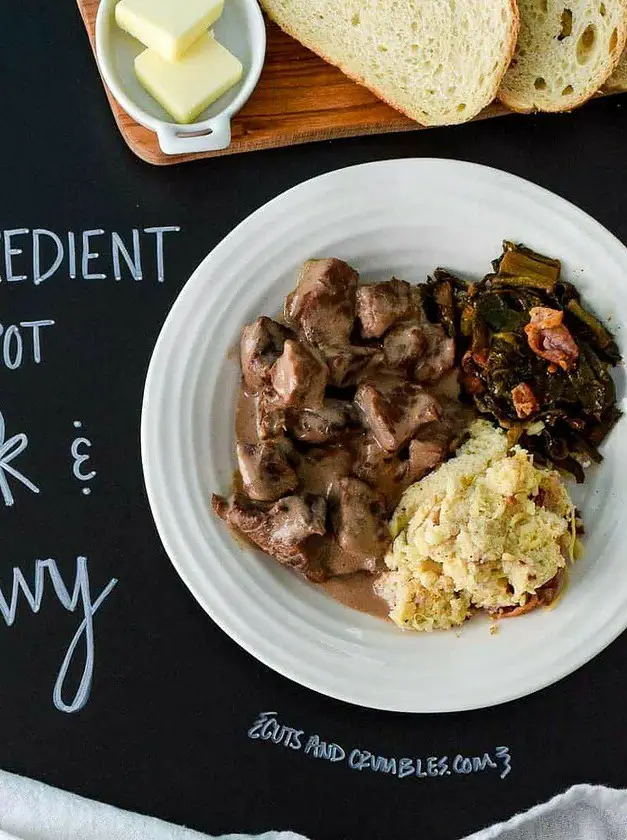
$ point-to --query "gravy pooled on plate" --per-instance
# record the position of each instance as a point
(341, 407)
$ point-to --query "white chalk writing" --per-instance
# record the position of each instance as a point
(134, 263)
(80, 458)
(88, 255)
(15, 344)
(10, 252)
(38, 275)
(80, 596)
(10, 448)
(267, 728)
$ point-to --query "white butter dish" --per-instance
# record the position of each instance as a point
(240, 29)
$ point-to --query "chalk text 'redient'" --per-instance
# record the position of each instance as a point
(38, 255)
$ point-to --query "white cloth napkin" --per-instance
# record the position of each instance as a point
(31, 810)
(585, 812)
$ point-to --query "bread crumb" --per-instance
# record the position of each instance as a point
(495, 629)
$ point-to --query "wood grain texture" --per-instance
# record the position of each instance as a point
(299, 98)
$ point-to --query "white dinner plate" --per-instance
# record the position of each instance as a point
(404, 218)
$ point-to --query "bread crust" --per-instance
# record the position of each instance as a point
(507, 57)
(511, 101)
(617, 82)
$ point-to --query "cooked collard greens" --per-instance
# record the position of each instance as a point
(531, 355)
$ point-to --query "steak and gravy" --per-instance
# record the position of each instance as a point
(344, 402)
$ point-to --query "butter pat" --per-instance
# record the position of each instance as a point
(169, 27)
(186, 87)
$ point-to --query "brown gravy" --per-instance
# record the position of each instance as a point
(246, 417)
(317, 472)
(356, 591)
(353, 590)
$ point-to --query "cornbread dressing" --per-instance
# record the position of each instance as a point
(486, 530)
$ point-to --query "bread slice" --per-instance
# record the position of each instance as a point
(618, 80)
(566, 50)
(438, 61)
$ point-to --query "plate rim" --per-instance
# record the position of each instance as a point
(557, 202)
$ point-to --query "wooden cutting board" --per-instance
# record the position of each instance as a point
(299, 98)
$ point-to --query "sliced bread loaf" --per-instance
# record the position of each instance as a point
(618, 80)
(438, 61)
(566, 50)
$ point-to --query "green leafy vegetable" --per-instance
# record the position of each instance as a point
(519, 266)
(524, 325)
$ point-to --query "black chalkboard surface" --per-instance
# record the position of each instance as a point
(167, 719)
